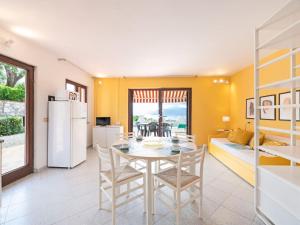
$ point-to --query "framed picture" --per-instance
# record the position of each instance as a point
(268, 113)
(285, 99)
(250, 108)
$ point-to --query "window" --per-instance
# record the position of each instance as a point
(81, 89)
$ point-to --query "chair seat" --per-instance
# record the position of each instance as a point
(123, 173)
(170, 176)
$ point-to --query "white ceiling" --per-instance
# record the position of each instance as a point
(143, 37)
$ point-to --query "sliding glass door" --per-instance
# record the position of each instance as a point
(160, 112)
(16, 118)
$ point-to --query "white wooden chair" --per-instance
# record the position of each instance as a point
(162, 164)
(179, 179)
(127, 136)
(111, 180)
(187, 138)
(137, 164)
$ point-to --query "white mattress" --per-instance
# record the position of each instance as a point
(245, 154)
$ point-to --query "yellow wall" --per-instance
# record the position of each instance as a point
(242, 87)
(209, 101)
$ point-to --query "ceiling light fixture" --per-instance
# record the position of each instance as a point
(220, 81)
(24, 32)
(101, 75)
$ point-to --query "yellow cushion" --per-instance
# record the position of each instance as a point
(269, 142)
(239, 136)
(261, 140)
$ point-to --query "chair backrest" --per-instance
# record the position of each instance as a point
(187, 159)
(127, 136)
(106, 155)
(186, 137)
(166, 126)
(153, 126)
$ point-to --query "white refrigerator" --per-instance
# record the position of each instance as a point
(67, 133)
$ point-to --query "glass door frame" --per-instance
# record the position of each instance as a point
(29, 124)
(160, 103)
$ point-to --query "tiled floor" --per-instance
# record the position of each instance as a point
(69, 197)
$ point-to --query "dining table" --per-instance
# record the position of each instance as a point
(150, 150)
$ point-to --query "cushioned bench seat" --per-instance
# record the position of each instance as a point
(240, 159)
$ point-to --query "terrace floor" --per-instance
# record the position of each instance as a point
(70, 197)
(13, 157)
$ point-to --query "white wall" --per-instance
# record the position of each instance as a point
(50, 75)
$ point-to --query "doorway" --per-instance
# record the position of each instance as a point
(16, 118)
(162, 112)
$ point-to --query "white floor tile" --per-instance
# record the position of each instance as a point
(225, 216)
(70, 197)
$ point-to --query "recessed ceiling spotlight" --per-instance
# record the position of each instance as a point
(24, 32)
(101, 75)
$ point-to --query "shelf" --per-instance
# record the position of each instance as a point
(279, 106)
(288, 152)
(289, 83)
(280, 58)
(287, 38)
(287, 174)
(278, 187)
(284, 131)
(289, 12)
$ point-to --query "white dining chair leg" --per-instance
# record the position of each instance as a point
(128, 188)
(192, 170)
(118, 163)
(178, 208)
(200, 200)
(100, 192)
(113, 205)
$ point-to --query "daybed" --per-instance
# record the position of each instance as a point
(240, 159)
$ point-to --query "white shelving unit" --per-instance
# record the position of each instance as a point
(277, 189)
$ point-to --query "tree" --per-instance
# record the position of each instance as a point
(13, 75)
(10, 75)
(2, 74)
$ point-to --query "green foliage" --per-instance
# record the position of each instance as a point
(12, 93)
(11, 125)
(135, 118)
(10, 74)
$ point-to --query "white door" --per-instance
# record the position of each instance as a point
(59, 134)
(79, 138)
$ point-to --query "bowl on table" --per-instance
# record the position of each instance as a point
(124, 147)
(175, 140)
(175, 148)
